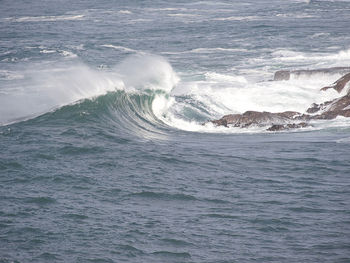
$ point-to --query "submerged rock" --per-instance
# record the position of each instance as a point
(290, 119)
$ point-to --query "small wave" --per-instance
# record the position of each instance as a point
(9, 75)
(220, 216)
(41, 200)
(125, 12)
(342, 56)
(49, 256)
(131, 250)
(319, 35)
(165, 196)
(167, 9)
(75, 216)
(172, 254)
(237, 18)
(343, 140)
(45, 18)
(176, 242)
(120, 48)
(184, 15)
(207, 50)
(295, 16)
(46, 51)
(68, 54)
(209, 3)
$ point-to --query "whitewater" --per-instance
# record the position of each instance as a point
(107, 149)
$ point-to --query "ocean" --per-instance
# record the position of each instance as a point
(106, 150)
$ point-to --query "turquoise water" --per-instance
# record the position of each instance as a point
(104, 155)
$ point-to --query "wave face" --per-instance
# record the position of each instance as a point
(43, 88)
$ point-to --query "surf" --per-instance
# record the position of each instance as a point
(143, 93)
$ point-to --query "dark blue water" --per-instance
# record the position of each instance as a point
(104, 157)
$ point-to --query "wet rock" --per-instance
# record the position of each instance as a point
(282, 75)
(286, 74)
(335, 108)
(318, 107)
(339, 84)
(256, 118)
(290, 119)
(281, 127)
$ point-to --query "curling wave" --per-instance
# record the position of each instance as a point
(143, 95)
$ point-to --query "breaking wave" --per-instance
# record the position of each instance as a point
(143, 94)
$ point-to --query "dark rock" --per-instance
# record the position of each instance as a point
(282, 75)
(318, 107)
(335, 108)
(314, 108)
(277, 127)
(339, 84)
(256, 118)
(290, 119)
(281, 127)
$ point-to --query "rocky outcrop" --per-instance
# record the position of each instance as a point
(291, 119)
(339, 84)
(332, 109)
(257, 118)
(286, 74)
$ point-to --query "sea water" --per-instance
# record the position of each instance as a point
(105, 150)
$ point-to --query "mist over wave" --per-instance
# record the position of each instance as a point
(39, 88)
(183, 104)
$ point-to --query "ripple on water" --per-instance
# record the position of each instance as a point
(42, 200)
(164, 196)
(175, 242)
(169, 254)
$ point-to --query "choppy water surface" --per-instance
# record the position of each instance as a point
(104, 157)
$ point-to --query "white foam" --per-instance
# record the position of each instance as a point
(318, 35)
(69, 54)
(183, 15)
(125, 12)
(224, 77)
(145, 71)
(207, 50)
(120, 48)
(284, 55)
(44, 18)
(223, 94)
(237, 18)
(46, 51)
(161, 105)
(45, 87)
(168, 9)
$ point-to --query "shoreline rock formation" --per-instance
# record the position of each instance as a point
(290, 119)
(286, 74)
